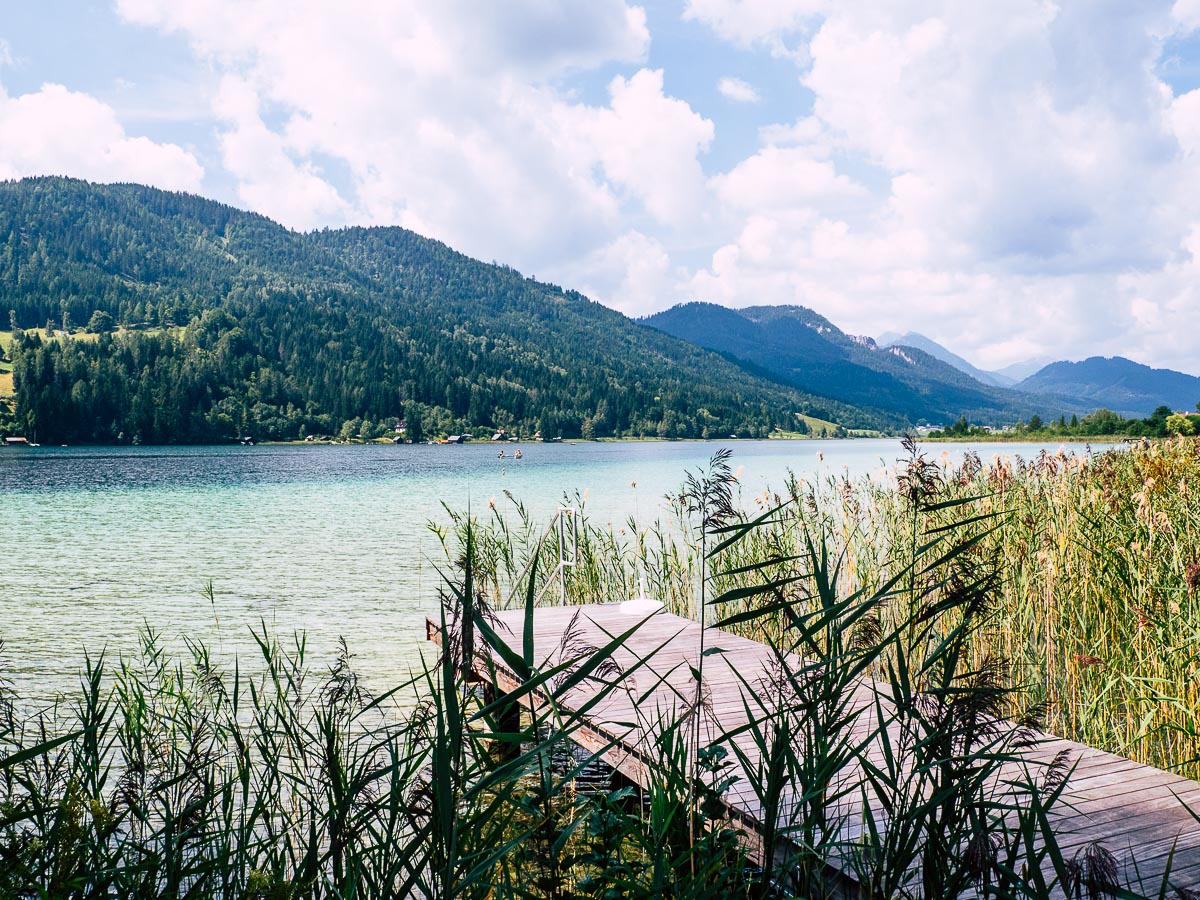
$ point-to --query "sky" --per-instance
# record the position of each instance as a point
(1013, 179)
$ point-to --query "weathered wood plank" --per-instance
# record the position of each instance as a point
(1136, 811)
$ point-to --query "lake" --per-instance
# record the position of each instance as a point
(328, 540)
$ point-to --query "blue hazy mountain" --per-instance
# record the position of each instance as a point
(937, 351)
(1017, 372)
(1119, 384)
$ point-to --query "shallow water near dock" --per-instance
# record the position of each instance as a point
(326, 540)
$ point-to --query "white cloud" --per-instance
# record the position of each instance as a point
(747, 22)
(1031, 181)
(55, 131)
(1187, 13)
(633, 273)
(737, 90)
(1185, 122)
(809, 131)
(449, 119)
(786, 178)
(269, 179)
(649, 143)
(1035, 138)
(530, 37)
(1009, 178)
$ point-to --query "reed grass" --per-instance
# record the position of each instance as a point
(1098, 606)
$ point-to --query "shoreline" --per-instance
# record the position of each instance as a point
(1036, 439)
(1111, 440)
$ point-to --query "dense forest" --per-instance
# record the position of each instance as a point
(138, 315)
(1163, 422)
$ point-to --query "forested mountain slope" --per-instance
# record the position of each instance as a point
(1119, 384)
(809, 352)
(234, 325)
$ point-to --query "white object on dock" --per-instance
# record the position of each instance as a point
(640, 606)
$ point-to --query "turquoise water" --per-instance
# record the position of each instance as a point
(333, 541)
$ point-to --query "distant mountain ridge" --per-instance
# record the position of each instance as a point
(1017, 372)
(936, 350)
(1119, 384)
(1115, 383)
(805, 349)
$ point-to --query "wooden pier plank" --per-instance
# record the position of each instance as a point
(1134, 810)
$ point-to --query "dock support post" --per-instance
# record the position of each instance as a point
(508, 722)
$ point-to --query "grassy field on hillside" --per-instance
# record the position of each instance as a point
(817, 426)
(176, 330)
(6, 380)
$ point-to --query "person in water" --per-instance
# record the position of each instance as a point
(500, 455)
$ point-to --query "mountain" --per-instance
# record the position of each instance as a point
(1119, 384)
(1019, 371)
(937, 351)
(231, 324)
(806, 350)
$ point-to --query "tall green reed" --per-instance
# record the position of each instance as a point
(938, 776)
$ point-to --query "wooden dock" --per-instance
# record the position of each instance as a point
(1138, 813)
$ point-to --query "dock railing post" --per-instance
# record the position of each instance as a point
(568, 546)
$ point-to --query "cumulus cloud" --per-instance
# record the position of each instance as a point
(269, 179)
(786, 179)
(808, 131)
(448, 118)
(737, 90)
(748, 22)
(1187, 13)
(1034, 139)
(1025, 180)
(649, 143)
(1011, 179)
(633, 273)
(55, 131)
(528, 37)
